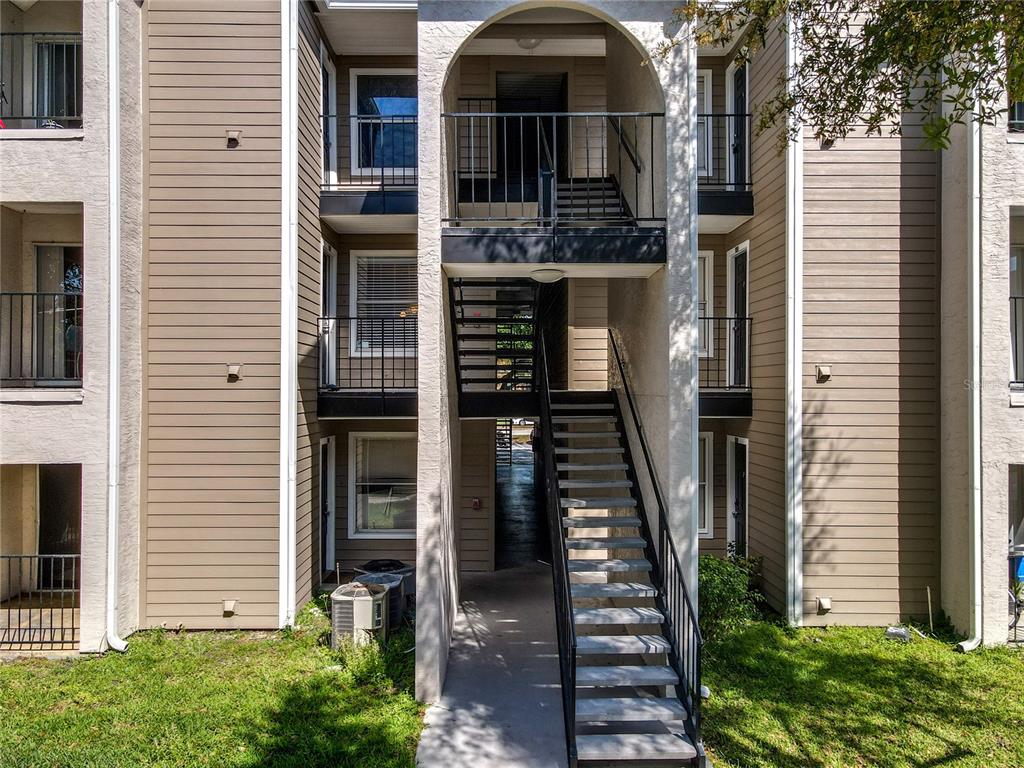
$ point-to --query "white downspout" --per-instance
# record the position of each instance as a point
(113, 640)
(974, 391)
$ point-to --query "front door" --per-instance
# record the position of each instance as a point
(739, 127)
(739, 497)
(327, 524)
(738, 373)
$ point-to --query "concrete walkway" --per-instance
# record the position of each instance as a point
(502, 704)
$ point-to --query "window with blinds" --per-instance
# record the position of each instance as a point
(384, 287)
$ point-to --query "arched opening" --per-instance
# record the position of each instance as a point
(553, 118)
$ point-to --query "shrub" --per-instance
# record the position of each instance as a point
(726, 597)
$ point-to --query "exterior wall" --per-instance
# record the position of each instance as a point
(871, 511)
(766, 233)
(476, 481)
(212, 298)
(307, 501)
(350, 552)
(70, 426)
(19, 515)
(588, 333)
(1002, 425)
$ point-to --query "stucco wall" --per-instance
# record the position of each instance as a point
(71, 166)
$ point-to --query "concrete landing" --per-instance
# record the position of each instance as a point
(502, 704)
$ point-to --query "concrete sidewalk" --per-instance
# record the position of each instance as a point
(502, 704)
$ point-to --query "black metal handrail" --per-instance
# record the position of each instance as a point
(39, 601)
(680, 626)
(1017, 338)
(603, 165)
(370, 150)
(565, 626)
(41, 338)
(41, 79)
(368, 353)
(724, 361)
(723, 152)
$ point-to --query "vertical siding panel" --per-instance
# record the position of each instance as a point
(212, 297)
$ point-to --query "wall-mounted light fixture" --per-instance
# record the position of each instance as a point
(528, 43)
(547, 275)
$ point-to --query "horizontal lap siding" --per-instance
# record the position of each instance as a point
(588, 333)
(870, 434)
(766, 232)
(476, 526)
(307, 544)
(212, 297)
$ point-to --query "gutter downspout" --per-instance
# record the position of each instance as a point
(974, 391)
(113, 640)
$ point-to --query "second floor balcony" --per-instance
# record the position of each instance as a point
(40, 79)
(724, 366)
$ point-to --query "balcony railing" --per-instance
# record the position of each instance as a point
(369, 151)
(41, 79)
(39, 602)
(723, 152)
(1017, 339)
(724, 362)
(548, 169)
(368, 353)
(41, 338)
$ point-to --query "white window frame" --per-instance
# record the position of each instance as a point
(329, 175)
(706, 526)
(704, 108)
(353, 286)
(730, 485)
(332, 512)
(729, 104)
(730, 301)
(353, 103)
(708, 348)
(329, 330)
(353, 532)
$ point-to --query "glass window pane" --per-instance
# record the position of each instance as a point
(385, 484)
(387, 107)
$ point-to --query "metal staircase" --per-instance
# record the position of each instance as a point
(591, 200)
(629, 644)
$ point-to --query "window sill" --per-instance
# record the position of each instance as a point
(29, 396)
(1016, 399)
(1015, 138)
(403, 536)
(43, 134)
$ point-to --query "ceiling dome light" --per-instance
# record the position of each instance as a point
(528, 43)
(547, 275)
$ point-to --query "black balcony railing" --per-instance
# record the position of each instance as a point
(725, 352)
(555, 168)
(368, 353)
(1017, 338)
(723, 152)
(41, 79)
(369, 150)
(39, 602)
(41, 339)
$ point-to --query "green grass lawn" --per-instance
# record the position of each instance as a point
(232, 700)
(847, 697)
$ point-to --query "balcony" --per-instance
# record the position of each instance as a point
(40, 80)
(368, 367)
(370, 173)
(41, 339)
(724, 366)
(554, 187)
(725, 197)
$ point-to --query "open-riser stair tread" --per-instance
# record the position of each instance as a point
(600, 522)
(605, 542)
(617, 616)
(615, 565)
(629, 675)
(612, 589)
(629, 748)
(602, 502)
(621, 645)
(629, 709)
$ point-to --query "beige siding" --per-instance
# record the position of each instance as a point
(307, 544)
(211, 297)
(476, 526)
(767, 290)
(588, 333)
(870, 434)
(350, 552)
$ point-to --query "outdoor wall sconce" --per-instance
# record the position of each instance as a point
(822, 373)
(234, 139)
(234, 372)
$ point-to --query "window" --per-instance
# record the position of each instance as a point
(706, 485)
(58, 78)
(384, 107)
(705, 161)
(1015, 117)
(382, 485)
(1017, 313)
(384, 303)
(706, 302)
(58, 321)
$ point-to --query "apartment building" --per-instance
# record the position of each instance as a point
(276, 276)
